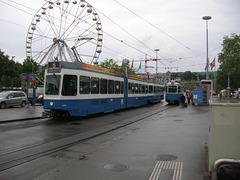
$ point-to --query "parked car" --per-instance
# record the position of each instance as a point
(12, 98)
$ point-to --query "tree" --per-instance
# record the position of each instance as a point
(3, 66)
(111, 64)
(189, 85)
(229, 59)
(29, 66)
(9, 71)
(187, 76)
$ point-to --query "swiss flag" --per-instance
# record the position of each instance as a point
(212, 64)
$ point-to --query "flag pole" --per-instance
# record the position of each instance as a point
(215, 75)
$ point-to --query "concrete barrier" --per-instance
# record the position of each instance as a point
(224, 132)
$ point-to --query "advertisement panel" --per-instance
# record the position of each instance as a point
(197, 96)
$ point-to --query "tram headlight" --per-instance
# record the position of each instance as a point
(51, 103)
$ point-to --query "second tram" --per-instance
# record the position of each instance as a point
(173, 92)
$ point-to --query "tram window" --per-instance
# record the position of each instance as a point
(135, 88)
(132, 88)
(52, 84)
(103, 86)
(117, 87)
(110, 87)
(140, 88)
(161, 89)
(179, 89)
(150, 89)
(146, 89)
(121, 87)
(156, 89)
(94, 85)
(172, 89)
(69, 87)
(84, 85)
(143, 89)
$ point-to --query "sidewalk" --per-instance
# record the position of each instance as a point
(17, 113)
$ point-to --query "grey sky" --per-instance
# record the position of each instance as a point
(184, 50)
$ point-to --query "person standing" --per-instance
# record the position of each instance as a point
(182, 100)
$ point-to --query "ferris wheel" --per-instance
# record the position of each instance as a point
(65, 30)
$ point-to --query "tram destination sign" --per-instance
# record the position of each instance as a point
(54, 67)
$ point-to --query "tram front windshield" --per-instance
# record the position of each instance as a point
(173, 89)
(52, 84)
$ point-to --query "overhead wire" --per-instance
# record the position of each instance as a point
(125, 30)
(122, 41)
(17, 7)
(157, 28)
(22, 5)
(10, 22)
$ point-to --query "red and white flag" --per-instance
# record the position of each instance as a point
(212, 64)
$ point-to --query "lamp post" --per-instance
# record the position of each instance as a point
(126, 62)
(156, 61)
(207, 18)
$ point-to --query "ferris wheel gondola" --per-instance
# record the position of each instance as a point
(65, 30)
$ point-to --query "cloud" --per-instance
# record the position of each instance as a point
(181, 33)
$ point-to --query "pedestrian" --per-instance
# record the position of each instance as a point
(188, 97)
(182, 100)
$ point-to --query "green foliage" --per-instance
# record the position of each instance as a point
(189, 85)
(11, 71)
(29, 66)
(188, 76)
(111, 64)
(229, 59)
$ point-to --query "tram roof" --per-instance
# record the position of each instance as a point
(55, 67)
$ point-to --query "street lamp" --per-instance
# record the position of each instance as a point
(156, 61)
(126, 62)
(207, 18)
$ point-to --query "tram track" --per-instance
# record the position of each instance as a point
(20, 155)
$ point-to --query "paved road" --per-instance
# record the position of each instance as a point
(168, 145)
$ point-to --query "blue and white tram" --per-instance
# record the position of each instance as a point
(79, 89)
(141, 93)
(173, 92)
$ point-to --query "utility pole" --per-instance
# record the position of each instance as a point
(156, 61)
(228, 84)
(206, 18)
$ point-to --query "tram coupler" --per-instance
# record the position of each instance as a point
(47, 113)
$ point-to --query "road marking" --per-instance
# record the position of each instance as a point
(169, 169)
